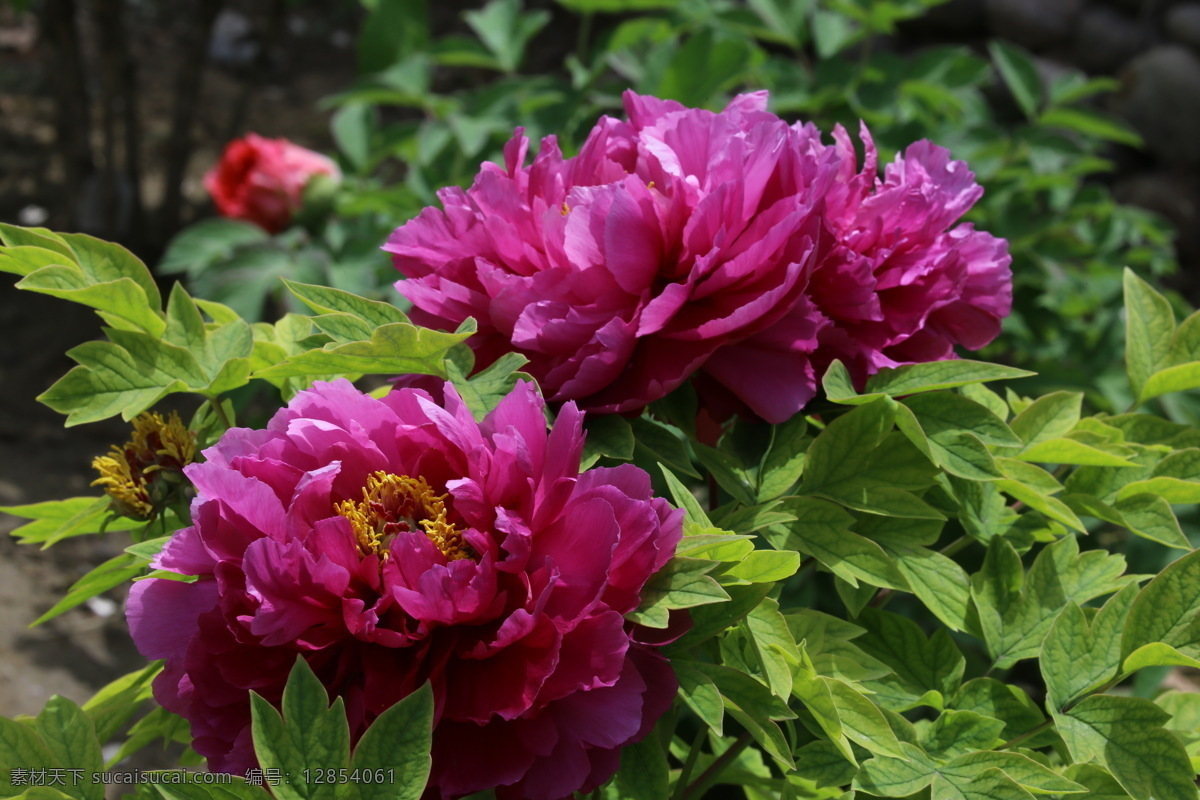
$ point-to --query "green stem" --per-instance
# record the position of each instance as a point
(955, 546)
(685, 774)
(214, 403)
(710, 775)
(585, 33)
(1034, 731)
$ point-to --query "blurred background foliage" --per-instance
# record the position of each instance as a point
(441, 86)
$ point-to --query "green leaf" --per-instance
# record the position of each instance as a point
(683, 583)
(822, 529)
(55, 520)
(1091, 123)
(764, 566)
(309, 735)
(1060, 450)
(192, 787)
(662, 444)
(101, 262)
(1048, 417)
(822, 763)
(896, 777)
(1178, 378)
(399, 739)
(123, 297)
(125, 376)
(111, 573)
(644, 774)
(204, 243)
(609, 435)
(21, 749)
(1149, 326)
(71, 738)
(325, 300)
(704, 65)
(921, 664)
(1020, 769)
(839, 386)
(937, 580)
(395, 348)
(1157, 655)
(954, 733)
(784, 461)
(1167, 610)
(1125, 734)
(862, 720)
(113, 705)
(934, 375)
(1017, 610)
(1020, 75)
(483, 391)
(700, 693)
(685, 499)
(1151, 517)
(1009, 704)
(1077, 654)
(709, 620)
(505, 29)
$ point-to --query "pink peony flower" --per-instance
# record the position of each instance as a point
(727, 246)
(396, 541)
(262, 180)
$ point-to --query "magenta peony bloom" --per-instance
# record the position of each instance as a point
(393, 542)
(727, 246)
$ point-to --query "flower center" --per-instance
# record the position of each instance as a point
(395, 504)
(130, 473)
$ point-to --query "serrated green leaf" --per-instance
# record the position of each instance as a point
(921, 664)
(236, 788)
(1168, 609)
(1091, 123)
(609, 435)
(884, 776)
(822, 763)
(955, 733)
(56, 520)
(1125, 735)
(395, 348)
(326, 300)
(71, 738)
(934, 375)
(1151, 517)
(399, 739)
(123, 297)
(310, 734)
(483, 391)
(822, 529)
(662, 444)
(862, 720)
(1149, 326)
(1019, 768)
(1009, 704)
(1078, 655)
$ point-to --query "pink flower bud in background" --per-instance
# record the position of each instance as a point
(262, 180)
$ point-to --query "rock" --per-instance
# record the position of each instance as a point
(1182, 24)
(1034, 23)
(1105, 39)
(1158, 98)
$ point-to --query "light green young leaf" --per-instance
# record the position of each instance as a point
(483, 391)
(839, 387)
(395, 348)
(1151, 517)
(235, 789)
(1178, 378)
(764, 566)
(1157, 654)
(700, 693)
(937, 580)
(662, 444)
(862, 720)
(685, 499)
(326, 300)
(1009, 704)
(55, 520)
(955, 733)
(122, 297)
(1149, 327)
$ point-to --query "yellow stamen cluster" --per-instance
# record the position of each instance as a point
(127, 471)
(395, 504)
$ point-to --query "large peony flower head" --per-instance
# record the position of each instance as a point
(396, 541)
(730, 247)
